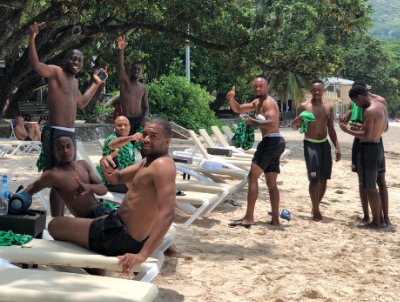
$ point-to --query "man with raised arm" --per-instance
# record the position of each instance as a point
(269, 150)
(63, 100)
(136, 229)
(316, 117)
(133, 94)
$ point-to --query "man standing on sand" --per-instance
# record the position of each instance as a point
(370, 157)
(133, 94)
(354, 114)
(269, 150)
(136, 229)
(317, 150)
(63, 100)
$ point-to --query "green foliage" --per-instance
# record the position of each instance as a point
(178, 100)
(100, 109)
(377, 63)
(385, 15)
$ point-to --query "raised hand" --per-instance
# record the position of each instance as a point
(121, 42)
(231, 94)
(136, 137)
(97, 79)
(107, 163)
(34, 29)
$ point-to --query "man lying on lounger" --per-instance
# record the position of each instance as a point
(26, 131)
(136, 229)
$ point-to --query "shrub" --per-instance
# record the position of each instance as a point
(178, 100)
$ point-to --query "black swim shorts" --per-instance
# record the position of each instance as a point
(108, 236)
(318, 159)
(268, 152)
(370, 162)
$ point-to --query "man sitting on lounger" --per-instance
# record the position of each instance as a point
(74, 181)
(26, 131)
(136, 229)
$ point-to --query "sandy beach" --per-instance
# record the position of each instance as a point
(301, 260)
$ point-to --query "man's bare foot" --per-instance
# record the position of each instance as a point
(275, 222)
(365, 219)
(317, 217)
(173, 252)
(374, 225)
(387, 221)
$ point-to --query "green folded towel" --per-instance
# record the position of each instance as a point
(8, 238)
(244, 136)
(307, 117)
(109, 205)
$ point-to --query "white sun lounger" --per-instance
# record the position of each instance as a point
(236, 153)
(21, 285)
(66, 254)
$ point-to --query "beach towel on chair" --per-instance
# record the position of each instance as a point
(244, 136)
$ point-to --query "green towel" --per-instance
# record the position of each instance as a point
(109, 205)
(8, 238)
(244, 136)
(307, 117)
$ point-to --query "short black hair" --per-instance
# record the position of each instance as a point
(317, 81)
(167, 128)
(261, 76)
(357, 90)
(360, 83)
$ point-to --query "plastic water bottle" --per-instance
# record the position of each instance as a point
(4, 195)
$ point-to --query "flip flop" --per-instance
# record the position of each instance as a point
(180, 193)
(232, 203)
(239, 223)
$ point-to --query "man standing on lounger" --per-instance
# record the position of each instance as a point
(370, 157)
(133, 94)
(63, 100)
(317, 150)
(269, 150)
(136, 229)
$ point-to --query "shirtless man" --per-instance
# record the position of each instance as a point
(26, 131)
(317, 150)
(354, 114)
(133, 94)
(63, 100)
(74, 181)
(370, 158)
(136, 229)
(269, 150)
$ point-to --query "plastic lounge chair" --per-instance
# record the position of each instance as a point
(66, 254)
(82, 154)
(235, 151)
(21, 285)
(200, 154)
(224, 142)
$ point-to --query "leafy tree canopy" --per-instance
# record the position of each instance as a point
(302, 37)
